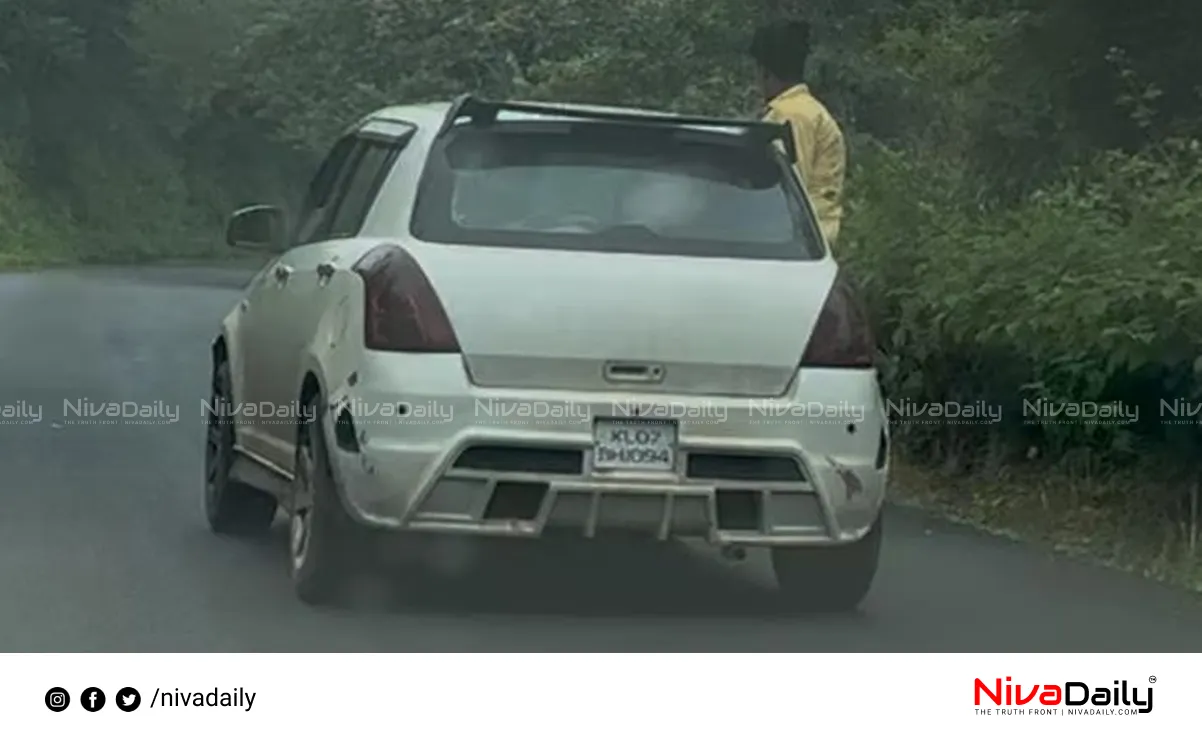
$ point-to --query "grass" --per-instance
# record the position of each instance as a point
(127, 227)
(204, 252)
(21, 264)
(11, 262)
(1107, 520)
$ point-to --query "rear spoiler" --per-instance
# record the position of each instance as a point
(484, 112)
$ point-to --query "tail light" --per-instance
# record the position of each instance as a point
(843, 335)
(401, 310)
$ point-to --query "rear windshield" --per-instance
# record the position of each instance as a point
(615, 189)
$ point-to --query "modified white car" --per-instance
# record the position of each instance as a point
(506, 320)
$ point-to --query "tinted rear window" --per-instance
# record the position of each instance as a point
(613, 188)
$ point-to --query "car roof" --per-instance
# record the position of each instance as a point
(434, 113)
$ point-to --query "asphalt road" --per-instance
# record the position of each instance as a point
(103, 545)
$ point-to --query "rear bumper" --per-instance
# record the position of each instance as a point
(446, 457)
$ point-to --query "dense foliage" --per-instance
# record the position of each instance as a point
(1026, 194)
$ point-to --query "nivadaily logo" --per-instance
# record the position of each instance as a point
(1070, 697)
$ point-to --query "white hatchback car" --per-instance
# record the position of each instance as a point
(509, 320)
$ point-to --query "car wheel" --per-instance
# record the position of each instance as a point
(231, 507)
(829, 578)
(322, 543)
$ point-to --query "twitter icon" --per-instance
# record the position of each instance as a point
(128, 699)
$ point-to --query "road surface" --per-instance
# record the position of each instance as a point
(103, 545)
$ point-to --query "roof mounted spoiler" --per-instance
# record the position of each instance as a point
(484, 112)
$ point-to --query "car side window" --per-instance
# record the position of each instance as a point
(315, 211)
(371, 164)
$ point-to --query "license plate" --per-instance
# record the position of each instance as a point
(634, 445)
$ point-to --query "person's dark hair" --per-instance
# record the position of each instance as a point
(782, 49)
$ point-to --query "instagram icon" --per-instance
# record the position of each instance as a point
(57, 699)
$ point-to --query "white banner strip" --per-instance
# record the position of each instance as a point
(602, 698)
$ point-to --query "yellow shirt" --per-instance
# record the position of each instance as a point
(821, 153)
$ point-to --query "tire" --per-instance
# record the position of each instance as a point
(231, 507)
(324, 544)
(831, 579)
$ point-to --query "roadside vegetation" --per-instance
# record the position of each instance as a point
(1025, 208)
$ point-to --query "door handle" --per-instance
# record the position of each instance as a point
(628, 371)
(325, 270)
(282, 273)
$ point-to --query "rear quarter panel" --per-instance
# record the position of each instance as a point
(335, 350)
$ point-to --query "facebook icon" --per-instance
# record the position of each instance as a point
(92, 699)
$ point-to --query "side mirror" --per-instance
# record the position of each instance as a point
(259, 228)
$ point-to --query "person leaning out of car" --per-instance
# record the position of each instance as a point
(780, 52)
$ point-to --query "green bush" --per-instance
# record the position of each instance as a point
(30, 233)
(1089, 290)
